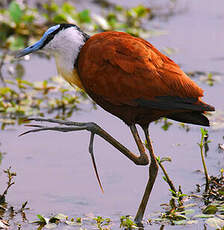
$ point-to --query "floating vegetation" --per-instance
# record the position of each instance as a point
(63, 220)
(210, 78)
(127, 222)
(89, 221)
(20, 23)
(20, 99)
(215, 190)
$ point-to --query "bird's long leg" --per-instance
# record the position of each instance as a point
(143, 156)
(153, 170)
(142, 159)
(94, 129)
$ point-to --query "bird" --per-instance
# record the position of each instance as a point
(129, 78)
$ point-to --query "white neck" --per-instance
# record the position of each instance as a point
(65, 47)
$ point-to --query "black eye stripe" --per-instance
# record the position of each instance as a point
(62, 27)
(49, 37)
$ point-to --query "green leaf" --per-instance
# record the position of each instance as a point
(84, 16)
(19, 70)
(188, 211)
(16, 43)
(28, 18)
(27, 83)
(42, 219)
(221, 191)
(5, 90)
(15, 12)
(165, 159)
(5, 31)
(60, 18)
(141, 10)
(158, 158)
(203, 216)
(210, 209)
(172, 191)
(180, 217)
(79, 220)
(204, 132)
(53, 7)
(68, 8)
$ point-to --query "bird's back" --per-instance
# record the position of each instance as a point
(131, 79)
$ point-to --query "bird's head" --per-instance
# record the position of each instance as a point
(58, 39)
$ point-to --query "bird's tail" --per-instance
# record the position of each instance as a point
(194, 117)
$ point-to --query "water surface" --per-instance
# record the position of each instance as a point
(54, 170)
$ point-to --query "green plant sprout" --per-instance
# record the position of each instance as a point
(128, 223)
(166, 176)
(202, 144)
(10, 182)
(102, 223)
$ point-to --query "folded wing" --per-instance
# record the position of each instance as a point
(129, 71)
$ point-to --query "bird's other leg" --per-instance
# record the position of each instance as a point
(143, 158)
(68, 126)
(153, 170)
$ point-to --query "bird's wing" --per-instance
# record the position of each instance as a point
(123, 69)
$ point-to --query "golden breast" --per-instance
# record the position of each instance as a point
(74, 79)
(71, 77)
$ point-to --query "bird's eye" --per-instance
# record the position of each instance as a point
(50, 36)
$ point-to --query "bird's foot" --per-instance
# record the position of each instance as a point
(138, 222)
(68, 126)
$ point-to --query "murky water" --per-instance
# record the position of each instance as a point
(54, 170)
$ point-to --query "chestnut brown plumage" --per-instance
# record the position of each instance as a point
(130, 79)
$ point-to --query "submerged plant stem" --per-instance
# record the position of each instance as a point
(207, 178)
(202, 145)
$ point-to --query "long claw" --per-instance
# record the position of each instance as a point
(68, 123)
(35, 126)
(44, 119)
(59, 128)
(31, 131)
(93, 161)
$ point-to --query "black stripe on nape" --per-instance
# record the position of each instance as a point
(62, 27)
(65, 26)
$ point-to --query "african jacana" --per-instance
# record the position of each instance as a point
(130, 79)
